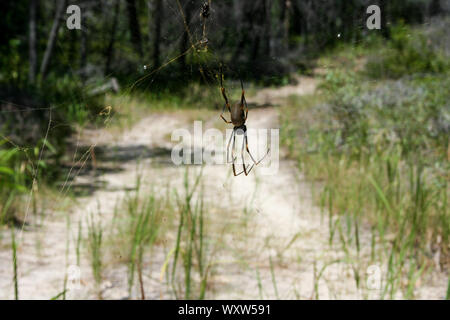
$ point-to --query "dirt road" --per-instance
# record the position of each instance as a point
(284, 252)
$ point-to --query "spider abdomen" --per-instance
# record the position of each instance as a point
(237, 115)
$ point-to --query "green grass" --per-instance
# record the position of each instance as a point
(14, 259)
(95, 242)
(274, 281)
(141, 225)
(144, 223)
(378, 152)
(191, 243)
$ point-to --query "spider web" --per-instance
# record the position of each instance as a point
(196, 31)
(198, 44)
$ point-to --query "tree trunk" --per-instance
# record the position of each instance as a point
(52, 38)
(84, 50)
(260, 16)
(157, 14)
(185, 39)
(435, 8)
(134, 26)
(384, 18)
(244, 28)
(110, 49)
(267, 8)
(32, 43)
(284, 20)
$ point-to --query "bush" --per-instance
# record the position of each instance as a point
(35, 119)
(12, 181)
(380, 153)
(408, 52)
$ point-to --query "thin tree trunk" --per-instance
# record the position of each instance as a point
(73, 39)
(32, 43)
(267, 27)
(308, 26)
(52, 38)
(83, 50)
(134, 26)
(110, 48)
(284, 20)
(259, 13)
(157, 19)
(185, 39)
(384, 18)
(435, 8)
(244, 27)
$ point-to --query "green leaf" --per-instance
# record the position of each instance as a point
(6, 171)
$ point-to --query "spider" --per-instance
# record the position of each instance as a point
(238, 114)
(204, 13)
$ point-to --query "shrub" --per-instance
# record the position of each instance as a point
(408, 52)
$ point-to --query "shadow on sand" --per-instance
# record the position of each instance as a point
(84, 177)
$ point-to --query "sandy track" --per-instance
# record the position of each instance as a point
(285, 229)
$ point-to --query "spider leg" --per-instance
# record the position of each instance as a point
(227, 104)
(224, 95)
(232, 148)
(228, 147)
(234, 171)
(222, 89)
(223, 110)
(246, 145)
(246, 107)
(242, 156)
(243, 101)
(234, 158)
